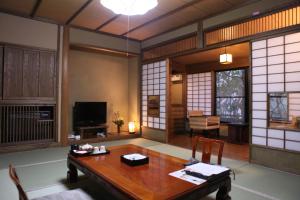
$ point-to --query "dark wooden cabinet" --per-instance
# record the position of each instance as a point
(29, 74)
(12, 73)
(47, 75)
(1, 70)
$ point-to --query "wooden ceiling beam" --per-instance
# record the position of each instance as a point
(78, 12)
(107, 22)
(163, 16)
(35, 8)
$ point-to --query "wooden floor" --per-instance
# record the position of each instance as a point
(234, 151)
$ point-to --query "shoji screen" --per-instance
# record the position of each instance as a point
(275, 68)
(154, 83)
(199, 92)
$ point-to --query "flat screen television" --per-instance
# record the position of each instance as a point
(89, 113)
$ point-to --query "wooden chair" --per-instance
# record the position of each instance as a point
(76, 194)
(207, 145)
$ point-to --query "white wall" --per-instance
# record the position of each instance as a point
(98, 77)
(23, 31)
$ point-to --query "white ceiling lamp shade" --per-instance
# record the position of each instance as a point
(129, 7)
(226, 58)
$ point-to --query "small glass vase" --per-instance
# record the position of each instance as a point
(119, 129)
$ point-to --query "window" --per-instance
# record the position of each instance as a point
(230, 95)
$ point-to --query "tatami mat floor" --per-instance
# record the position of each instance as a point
(43, 172)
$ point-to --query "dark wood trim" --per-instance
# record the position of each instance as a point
(168, 105)
(163, 16)
(27, 46)
(140, 92)
(35, 8)
(78, 12)
(57, 95)
(200, 35)
(65, 88)
(104, 33)
(96, 49)
(263, 14)
(107, 22)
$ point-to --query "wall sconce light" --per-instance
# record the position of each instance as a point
(131, 127)
(226, 58)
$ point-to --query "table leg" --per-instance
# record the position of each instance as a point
(223, 193)
(72, 174)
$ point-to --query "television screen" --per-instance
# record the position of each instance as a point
(89, 113)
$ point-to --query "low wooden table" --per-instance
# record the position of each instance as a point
(149, 181)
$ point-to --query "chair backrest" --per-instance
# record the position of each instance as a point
(14, 177)
(207, 145)
(195, 113)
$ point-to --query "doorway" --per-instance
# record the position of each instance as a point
(195, 85)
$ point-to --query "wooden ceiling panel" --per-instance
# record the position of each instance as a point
(190, 14)
(168, 5)
(156, 27)
(93, 15)
(59, 10)
(238, 51)
(120, 25)
(212, 7)
(23, 7)
(236, 2)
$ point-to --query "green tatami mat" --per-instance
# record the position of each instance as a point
(275, 183)
(58, 153)
(33, 157)
(8, 190)
(40, 176)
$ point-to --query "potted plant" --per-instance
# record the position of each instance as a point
(119, 121)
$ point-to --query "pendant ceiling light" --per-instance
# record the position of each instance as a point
(226, 58)
(129, 7)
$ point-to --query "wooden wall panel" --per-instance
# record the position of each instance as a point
(30, 73)
(171, 48)
(12, 79)
(275, 21)
(47, 75)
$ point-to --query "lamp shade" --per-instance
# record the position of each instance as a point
(129, 7)
(226, 58)
(131, 127)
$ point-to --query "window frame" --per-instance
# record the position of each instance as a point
(246, 94)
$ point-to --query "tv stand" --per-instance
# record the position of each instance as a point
(85, 130)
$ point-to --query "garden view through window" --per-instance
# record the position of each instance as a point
(230, 95)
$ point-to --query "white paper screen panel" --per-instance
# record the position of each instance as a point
(275, 68)
(199, 92)
(276, 143)
(154, 83)
(259, 140)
